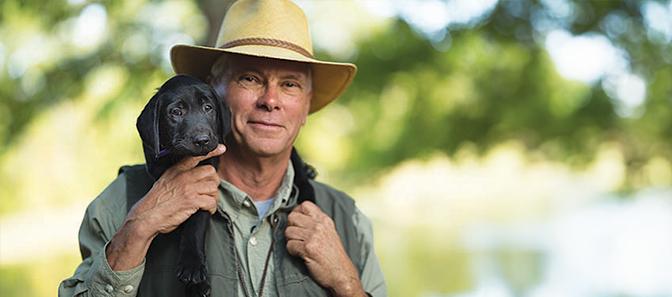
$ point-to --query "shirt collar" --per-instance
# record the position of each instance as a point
(232, 199)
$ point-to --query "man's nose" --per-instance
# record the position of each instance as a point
(269, 100)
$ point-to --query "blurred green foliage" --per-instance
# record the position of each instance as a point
(495, 82)
(39, 277)
(11, 276)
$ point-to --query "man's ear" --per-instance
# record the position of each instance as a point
(310, 101)
(223, 115)
(148, 128)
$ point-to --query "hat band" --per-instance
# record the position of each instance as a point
(268, 42)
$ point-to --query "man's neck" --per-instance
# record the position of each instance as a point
(259, 177)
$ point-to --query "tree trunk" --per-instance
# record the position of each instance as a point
(214, 11)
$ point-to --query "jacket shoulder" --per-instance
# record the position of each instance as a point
(107, 211)
(138, 183)
(342, 210)
(328, 195)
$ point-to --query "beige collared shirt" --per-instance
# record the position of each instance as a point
(252, 234)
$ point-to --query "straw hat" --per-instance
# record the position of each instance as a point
(275, 29)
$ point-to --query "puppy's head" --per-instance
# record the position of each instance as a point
(184, 118)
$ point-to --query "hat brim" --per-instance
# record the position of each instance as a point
(330, 79)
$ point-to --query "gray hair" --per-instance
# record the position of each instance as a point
(221, 68)
(220, 73)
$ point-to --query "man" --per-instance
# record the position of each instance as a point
(263, 68)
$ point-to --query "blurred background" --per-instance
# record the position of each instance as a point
(501, 148)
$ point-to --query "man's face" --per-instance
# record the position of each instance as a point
(269, 101)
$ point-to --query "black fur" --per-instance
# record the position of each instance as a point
(185, 118)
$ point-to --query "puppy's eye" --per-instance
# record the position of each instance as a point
(176, 112)
(207, 107)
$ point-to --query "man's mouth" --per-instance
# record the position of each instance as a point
(265, 124)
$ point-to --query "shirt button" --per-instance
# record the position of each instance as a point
(109, 288)
(128, 289)
(246, 203)
(253, 241)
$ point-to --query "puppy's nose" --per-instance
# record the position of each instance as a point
(201, 140)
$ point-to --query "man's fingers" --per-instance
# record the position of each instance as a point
(205, 173)
(296, 248)
(296, 233)
(206, 187)
(296, 218)
(191, 162)
(310, 209)
(207, 203)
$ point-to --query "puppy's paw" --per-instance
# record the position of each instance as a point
(192, 272)
(191, 267)
(194, 275)
(201, 289)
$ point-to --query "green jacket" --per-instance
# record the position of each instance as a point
(156, 276)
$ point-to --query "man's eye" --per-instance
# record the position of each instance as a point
(176, 112)
(207, 107)
(248, 79)
(291, 84)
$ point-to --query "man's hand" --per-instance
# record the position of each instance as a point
(181, 191)
(312, 236)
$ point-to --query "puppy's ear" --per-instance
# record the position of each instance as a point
(148, 128)
(223, 116)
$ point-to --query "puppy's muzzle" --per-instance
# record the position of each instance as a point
(201, 141)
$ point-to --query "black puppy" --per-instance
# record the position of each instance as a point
(185, 118)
